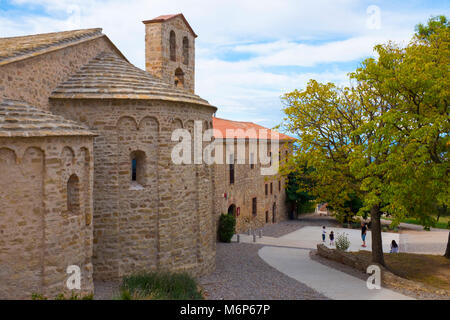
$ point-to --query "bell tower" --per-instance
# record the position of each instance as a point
(170, 50)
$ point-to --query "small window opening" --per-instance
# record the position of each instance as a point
(231, 173)
(173, 46)
(73, 194)
(179, 78)
(133, 169)
(137, 168)
(185, 50)
(254, 207)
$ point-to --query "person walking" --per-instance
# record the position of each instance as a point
(324, 233)
(363, 233)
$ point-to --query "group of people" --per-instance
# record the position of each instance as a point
(364, 228)
(324, 236)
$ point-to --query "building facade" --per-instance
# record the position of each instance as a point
(242, 189)
(86, 171)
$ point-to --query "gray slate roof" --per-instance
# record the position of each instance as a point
(108, 76)
(19, 48)
(19, 119)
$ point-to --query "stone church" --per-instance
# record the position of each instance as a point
(86, 176)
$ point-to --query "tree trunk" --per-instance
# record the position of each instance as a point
(377, 243)
(447, 252)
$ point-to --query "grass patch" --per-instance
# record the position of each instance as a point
(441, 224)
(160, 286)
(430, 270)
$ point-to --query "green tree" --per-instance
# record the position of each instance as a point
(298, 189)
(414, 83)
(385, 140)
(347, 160)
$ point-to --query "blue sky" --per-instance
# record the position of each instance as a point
(248, 52)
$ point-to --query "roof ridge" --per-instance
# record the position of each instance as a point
(49, 33)
(22, 47)
(241, 122)
(224, 124)
(167, 17)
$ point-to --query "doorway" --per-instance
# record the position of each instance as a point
(232, 210)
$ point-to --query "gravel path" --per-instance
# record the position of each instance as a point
(242, 275)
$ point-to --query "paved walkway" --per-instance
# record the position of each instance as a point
(425, 242)
(309, 237)
(330, 282)
(289, 254)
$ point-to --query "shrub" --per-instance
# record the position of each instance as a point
(160, 286)
(37, 296)
(227, 224)
(342, 242)
(62, 296)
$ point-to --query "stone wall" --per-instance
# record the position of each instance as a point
(157, 52)
(249, 184)
(164, 220)
(33, 79)
(40, 238)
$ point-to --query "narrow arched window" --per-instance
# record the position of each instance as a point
(137, 168)
(73, 194)
(173, 46)
(133, 169)
(186, 50)
(232, 169)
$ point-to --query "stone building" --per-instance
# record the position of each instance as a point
(255, 199)
(86, 176)
(46, 179)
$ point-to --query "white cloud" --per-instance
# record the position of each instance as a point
(280, 33)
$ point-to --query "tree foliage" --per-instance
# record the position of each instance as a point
(298, 189)
(381, 145)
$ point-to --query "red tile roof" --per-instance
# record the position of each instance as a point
(168, 17)
(254, 130)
